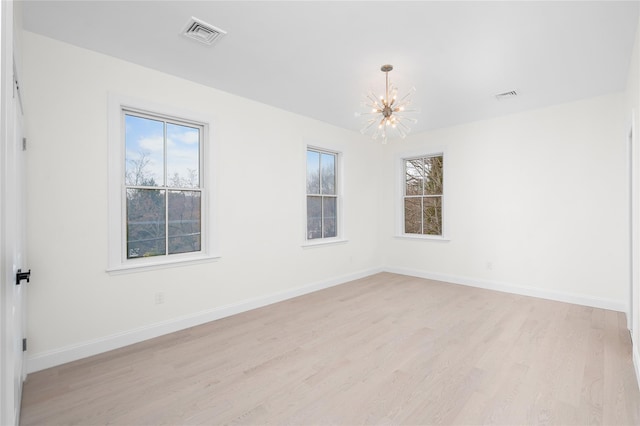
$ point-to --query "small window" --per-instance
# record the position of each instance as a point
(423, 192)
(322, 194)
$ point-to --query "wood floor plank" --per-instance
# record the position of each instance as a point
(386, 349)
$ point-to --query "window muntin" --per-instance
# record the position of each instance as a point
(423, 192)
(163, 188)
(322, 197)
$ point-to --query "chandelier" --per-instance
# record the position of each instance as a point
(386, 116)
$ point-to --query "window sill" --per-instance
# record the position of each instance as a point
(436, 238)
(133, 266)
(323, 242)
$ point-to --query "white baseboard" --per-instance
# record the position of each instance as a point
(41, 361)
(577, 299)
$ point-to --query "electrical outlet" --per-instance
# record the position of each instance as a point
(159, 298)
(490, 266)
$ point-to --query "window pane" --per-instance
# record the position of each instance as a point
(313, 172)
(328, 163)
(183, 156)
(413, 215)
(144, 151)
(413, 176)
(314, 217)
(184, 221)
(145, 222)
(433, 174)
(433, 215)
(329, 209)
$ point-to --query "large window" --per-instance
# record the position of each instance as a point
(159, 180)
(162, 185)
(423, 192)
(322, 194)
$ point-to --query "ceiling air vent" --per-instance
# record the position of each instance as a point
(202, 32)
(506, 95)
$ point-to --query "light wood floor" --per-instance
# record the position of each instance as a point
(386, 349)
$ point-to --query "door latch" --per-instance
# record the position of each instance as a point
(22, 276)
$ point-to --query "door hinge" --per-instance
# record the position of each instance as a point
(24, 144)
(22, 276)
(24, 344)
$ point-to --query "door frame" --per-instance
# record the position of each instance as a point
(9, 400)
(634, 222)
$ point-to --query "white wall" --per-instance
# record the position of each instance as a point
(537, 204)
(75, 307)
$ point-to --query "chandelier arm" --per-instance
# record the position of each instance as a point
(406, 101)
(369, 124)
(404, 126)
(374, 99)
(407, 95)
(404, 104)
(406, 118)
(376, 133)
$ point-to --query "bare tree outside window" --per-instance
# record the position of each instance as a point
(423, 192)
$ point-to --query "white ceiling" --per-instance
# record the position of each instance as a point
(319, 58)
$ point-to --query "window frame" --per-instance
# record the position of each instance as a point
(400, 194)
(339, 238)
(119, 106)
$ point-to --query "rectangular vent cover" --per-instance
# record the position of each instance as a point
(201, 31)
(505, 95)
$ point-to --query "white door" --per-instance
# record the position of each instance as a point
(20, 289)
(14, 236)
(12, 228)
